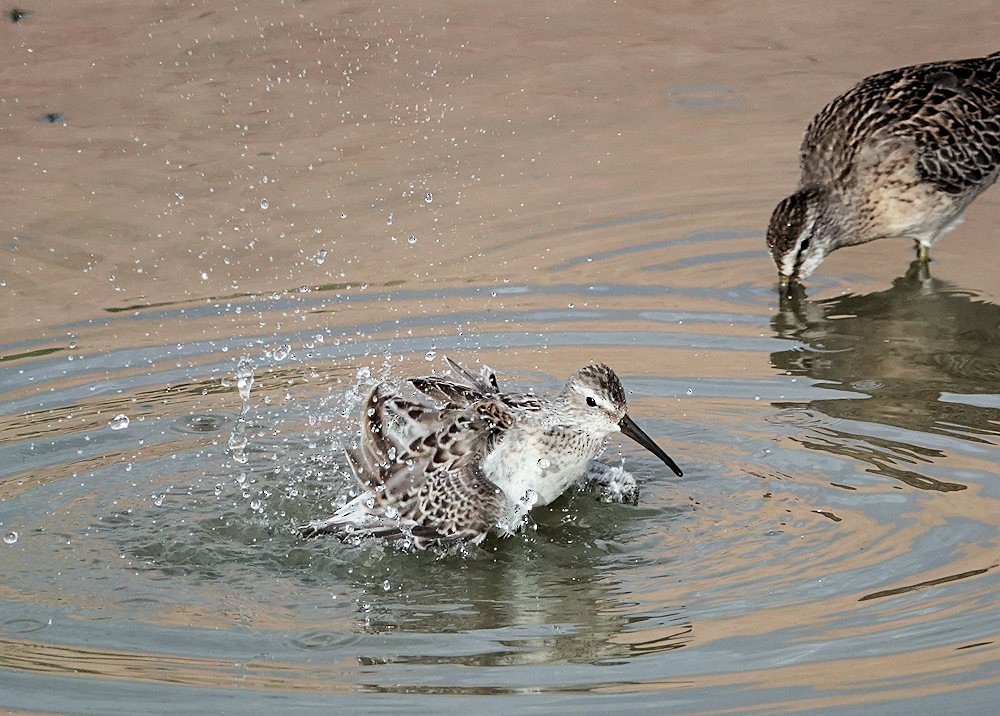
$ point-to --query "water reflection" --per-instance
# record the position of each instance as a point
(921, 354)
(540, 598)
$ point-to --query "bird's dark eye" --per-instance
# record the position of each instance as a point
(591, 402)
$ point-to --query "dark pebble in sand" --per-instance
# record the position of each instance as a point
(52, 117)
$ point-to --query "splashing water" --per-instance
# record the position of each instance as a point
(238, 440)
(244, 380)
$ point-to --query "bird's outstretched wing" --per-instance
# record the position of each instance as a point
(464, 389)
(452, 506)
(420, 463)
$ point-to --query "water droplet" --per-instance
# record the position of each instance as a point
(543, 463)
(430, 355)
(237, 441)
(411, 240)
(255, 504)
(281, 352)
(264, 203)
(264, 179)
(388, 220)
(244, 378)
(429, 198)
(119, 422)
(320, 256)
(158, 500)
(386, 585)
(10, 537)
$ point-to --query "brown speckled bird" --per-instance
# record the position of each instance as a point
(901, 154)
(449, 459)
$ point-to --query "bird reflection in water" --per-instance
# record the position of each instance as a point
(924, 356)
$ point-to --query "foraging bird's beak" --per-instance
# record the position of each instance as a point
(629, 428)
(790, 289)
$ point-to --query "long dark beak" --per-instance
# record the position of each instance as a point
(790, 288)
(629, 428)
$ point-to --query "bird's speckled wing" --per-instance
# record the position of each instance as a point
(422, 462)
(464, 389)
(460, 503)
(485, 382)
(949, 111)
(478, 393)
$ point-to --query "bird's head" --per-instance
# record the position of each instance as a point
(798, 235)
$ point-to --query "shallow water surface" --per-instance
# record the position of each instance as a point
(248, 215)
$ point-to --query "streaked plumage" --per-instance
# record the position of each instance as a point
(446, 459)
(901, 154)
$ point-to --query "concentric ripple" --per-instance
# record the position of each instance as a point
(813, 527)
